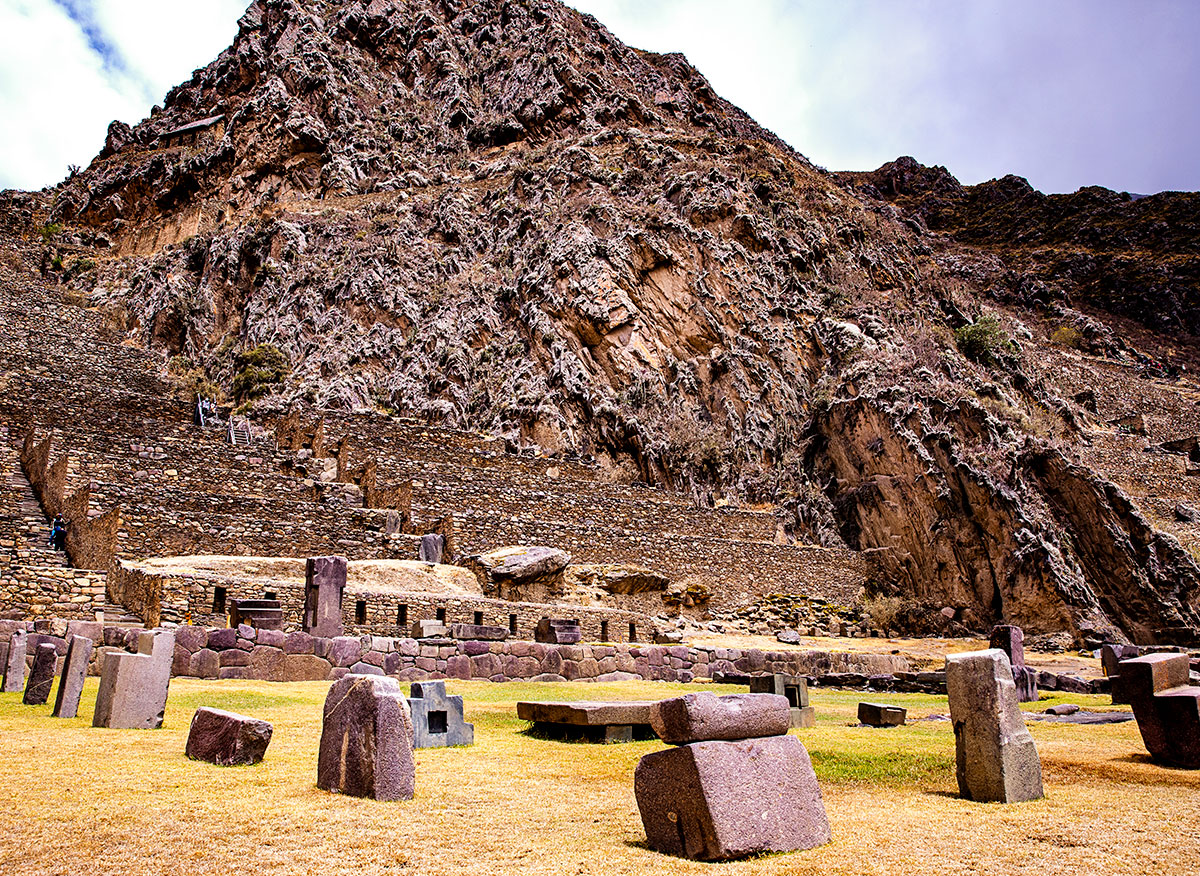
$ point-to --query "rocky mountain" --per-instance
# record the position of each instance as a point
(497, 216)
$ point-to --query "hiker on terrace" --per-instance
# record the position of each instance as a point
(58, 533)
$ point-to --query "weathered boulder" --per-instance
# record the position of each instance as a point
(704, 716)
(367, 740)
(226, 738)
(996, 759)
(522, 573)
(717, 800)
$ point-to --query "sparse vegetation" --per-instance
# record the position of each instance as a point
(883, 610)
(984, 341)
(258, 369)
(1067, 336)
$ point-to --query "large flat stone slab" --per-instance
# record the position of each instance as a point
(718, 800)
(367, 740)
(594, 721)
(227, 738)
(996, 759)
(881, 715)
(701, 717)
(1166, 706)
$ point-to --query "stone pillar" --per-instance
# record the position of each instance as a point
(133, 687)
(14, 666)
(996, 759)
(367, 740)
(324, 583)
(41, 677)
(1011, 640)
(75, 670)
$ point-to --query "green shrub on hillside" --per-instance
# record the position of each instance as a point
(258, 369)
(984, 341)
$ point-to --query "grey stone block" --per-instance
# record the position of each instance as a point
(432, 548)
(794, 688)
(227, 738)
(133, 687)
(41, 676)
(367, 740)
(718, 800)
(430, 629)
(593, 721)
(880, 715)
(996, 759)
(478, 633)
(74, 673)
(552, 631)
(704, 716)
(14, 664)
(437, 719)
(325, 581)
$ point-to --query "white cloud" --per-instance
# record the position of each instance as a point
(58, 95)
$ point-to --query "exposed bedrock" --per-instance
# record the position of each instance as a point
(1049, 546)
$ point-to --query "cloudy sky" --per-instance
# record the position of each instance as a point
(1065, 92)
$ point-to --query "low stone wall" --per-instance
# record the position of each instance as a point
(52, 592)
(268, 655)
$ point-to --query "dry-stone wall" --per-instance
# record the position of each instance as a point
(31, 592)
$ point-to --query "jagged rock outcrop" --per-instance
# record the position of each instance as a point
(496, 216)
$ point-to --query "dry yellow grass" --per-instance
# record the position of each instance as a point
(84, 801)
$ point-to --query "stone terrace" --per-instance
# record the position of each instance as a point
(120, 440)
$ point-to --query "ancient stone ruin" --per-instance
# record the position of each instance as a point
(41, 676)
(1011, 640)
(14, 664)
(367, 740)
(1166, 705)
(133, 687)
(794, 689)
(996, 760)
(74, 673)
(437, 719)
(734, 785)
(591, 720)
(881, 715)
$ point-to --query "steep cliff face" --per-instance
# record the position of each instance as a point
(495, 215)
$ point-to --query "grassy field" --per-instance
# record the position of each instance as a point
(78, 800)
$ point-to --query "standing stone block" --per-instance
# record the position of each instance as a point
(880, 715)
(133, 687)
(41, 676)
(432, 548)
(437, 719)
(1166, 706)
(701, 717)
(14, 665)
(227, 738)
(996, 759)
(794, 688)
(74, 673)
(367, 740)
(1011, 640)
(713, 801)
(324, 584)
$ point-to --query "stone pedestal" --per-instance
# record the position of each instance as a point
(367, 740)
(41, 676)
(133, 687)
(996, 759)
(437, 719)
(14, 663)
(227, 739)
(74, 674)
(324, 584)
